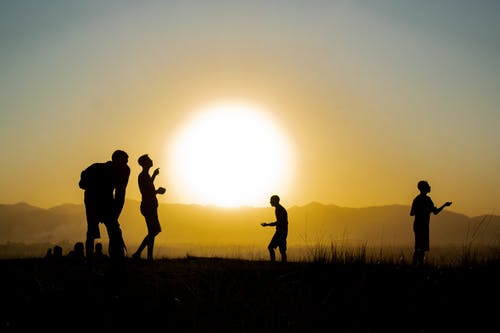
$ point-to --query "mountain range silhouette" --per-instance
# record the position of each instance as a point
(314, 223)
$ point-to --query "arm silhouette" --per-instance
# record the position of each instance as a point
(438, 210)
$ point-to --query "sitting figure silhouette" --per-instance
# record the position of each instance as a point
(48, 254)
(57, 252)
(77, 254)
(98, 252)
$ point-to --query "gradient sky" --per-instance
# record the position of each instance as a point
(375, 95)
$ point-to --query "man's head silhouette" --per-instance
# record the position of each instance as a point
(145, 161)
(275, 200)
(424, 186)
(119, 156)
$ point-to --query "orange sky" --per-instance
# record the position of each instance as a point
(372, 97)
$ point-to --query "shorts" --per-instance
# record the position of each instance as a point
(97, 212)
(421, 237)
(150, 214)
(279, 240)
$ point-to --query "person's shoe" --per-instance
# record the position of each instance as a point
(136, 256)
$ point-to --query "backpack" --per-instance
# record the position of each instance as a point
(94, 176)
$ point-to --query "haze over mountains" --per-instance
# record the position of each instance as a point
(311, 224)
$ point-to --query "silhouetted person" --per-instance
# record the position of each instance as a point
(48, 254)
(99, 254)
(281, 233)
(78, 252)
(57, 252)
(149, 205)
(105, 185)
(99, 259)
(421, 208)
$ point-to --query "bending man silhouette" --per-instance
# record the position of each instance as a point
(105, 186)
(281, 233)
(149, 205)
(422, 207)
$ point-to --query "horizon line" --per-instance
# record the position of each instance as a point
(242, 206)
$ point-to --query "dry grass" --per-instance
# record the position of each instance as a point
(340, 289)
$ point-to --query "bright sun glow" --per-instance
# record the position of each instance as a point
(230, 155)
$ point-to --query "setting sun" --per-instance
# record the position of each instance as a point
(230, 154)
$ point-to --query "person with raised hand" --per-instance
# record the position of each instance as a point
(149, 205)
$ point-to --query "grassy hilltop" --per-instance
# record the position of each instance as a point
(211, 294)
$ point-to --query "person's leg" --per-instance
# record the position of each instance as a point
(282, 246)
(116, 247)
(137, 254)
(150, 247)
(154, 228)
(283, 254)
(93, 233)
(421, 242)
(415, 257)
(272, 254)
(144, 243)
(272, 245)
(425, 245)
(421, 257)
(418, 257)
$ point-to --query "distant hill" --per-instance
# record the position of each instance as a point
(311, 224)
